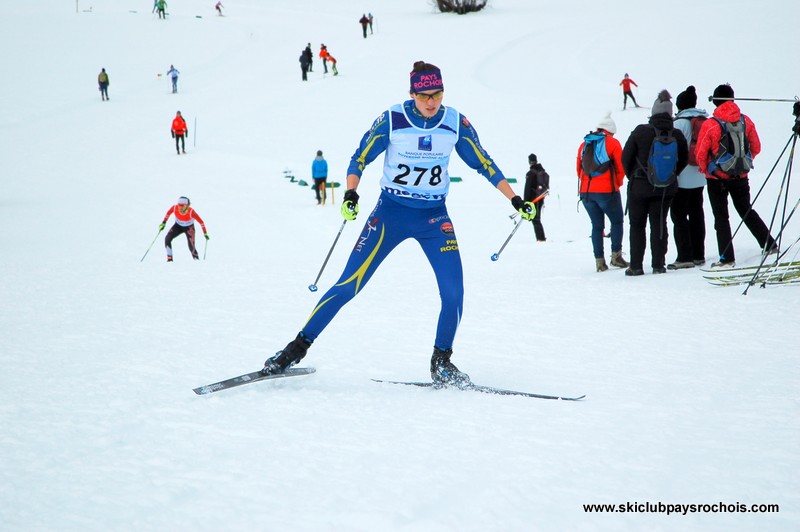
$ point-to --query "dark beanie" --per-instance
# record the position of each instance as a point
(722, 91)
(687, 99)
(532, 158)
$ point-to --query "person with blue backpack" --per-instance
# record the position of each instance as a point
(599, 169)
(728, 144)
(653, 156)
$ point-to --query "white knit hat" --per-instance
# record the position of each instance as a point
(608, 124)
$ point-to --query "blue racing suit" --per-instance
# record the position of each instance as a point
(414, 187)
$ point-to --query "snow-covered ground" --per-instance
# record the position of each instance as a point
(692, 390)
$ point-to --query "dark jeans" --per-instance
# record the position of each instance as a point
(305, 72)
(625, 96)
(646, 203)
(739, 191)
(180, 143)
(538, 228)
(319, 187)
(176, 230)
(689, 224)
(598, 205)
(104, 91)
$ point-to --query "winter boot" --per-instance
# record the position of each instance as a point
(726, 264)
(601, 264)
(634, 272)
(444, 372)
(617, 260)
(680, 265)
(287, 357)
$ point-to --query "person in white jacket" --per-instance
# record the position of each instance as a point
(686, 211)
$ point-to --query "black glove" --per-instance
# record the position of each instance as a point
(796, 109)
(351, 195)
(796, 127)
(526, 209)
(173, 134)
(350, 205)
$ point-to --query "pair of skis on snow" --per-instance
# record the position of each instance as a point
(256, 376)
(780, 273)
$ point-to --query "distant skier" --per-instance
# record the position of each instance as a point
(173, 73)
(185, 216)
(162, 9)
(179, 132)
(626, 91)
(219, 7)
(364, 20)
(102, 81)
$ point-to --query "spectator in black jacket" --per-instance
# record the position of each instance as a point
(646, 202)
(537, 182)
(310, 57)
(304, 64)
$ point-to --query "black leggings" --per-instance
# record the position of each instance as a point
(181, 139)
(176, 230)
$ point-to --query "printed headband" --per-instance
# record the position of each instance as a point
(426, 81)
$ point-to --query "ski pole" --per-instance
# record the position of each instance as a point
(205, 249)
(151, 245)
(496, 256)
(711, 98)
(313, 286)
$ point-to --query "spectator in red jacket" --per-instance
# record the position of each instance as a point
(179, 132)
(710, 153)
(626, 91)
(185, 216)
(601, 197)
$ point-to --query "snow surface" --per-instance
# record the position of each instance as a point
(100, 352)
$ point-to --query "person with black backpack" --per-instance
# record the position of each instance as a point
(686, 211)
(653, 156)
(725, 152)
(599, 169)
(537, 182)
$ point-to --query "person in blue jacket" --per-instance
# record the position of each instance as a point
(417, 137)
(319, 173)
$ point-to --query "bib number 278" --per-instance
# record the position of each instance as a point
(434, 176)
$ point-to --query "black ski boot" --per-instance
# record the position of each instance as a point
(287, 357)
(444, 372)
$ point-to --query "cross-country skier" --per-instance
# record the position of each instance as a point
(185, 216)
(418, 137)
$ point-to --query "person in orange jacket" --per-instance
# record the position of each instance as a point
(185, 216)
(323, 54)
(626, 91)
(601, 197)
(179, 132)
